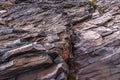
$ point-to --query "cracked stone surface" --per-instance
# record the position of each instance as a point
(59, 40)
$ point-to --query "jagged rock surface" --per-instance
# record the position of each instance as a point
(36, 39)
(38, 36)
(96, 44)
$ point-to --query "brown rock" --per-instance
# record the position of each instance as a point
(19, 65)
(38, 38)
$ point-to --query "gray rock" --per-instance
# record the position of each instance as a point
(96, 49)
(101, 20)
(44, 35)
(6, 31)
(51, 38)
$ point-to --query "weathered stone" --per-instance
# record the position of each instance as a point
(21, 50)
(38, 37)
(90, 35)
(101, 20)
(96, 61)
(2, 11)
(6, 31)
(15, 66)
(50, 73)
(51, 38)
(49, 46)
(87, 41)
(103, 31)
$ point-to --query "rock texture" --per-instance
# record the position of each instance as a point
(96, 45)
(59, 40)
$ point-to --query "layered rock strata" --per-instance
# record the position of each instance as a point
(59, 40)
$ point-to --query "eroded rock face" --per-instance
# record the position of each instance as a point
(39, 37)
(35, 44)
(96, 45)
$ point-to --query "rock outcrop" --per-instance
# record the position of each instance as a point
(59, 40)
(96, 44)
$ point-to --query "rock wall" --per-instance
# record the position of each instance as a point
(59, 40)
(96, 44)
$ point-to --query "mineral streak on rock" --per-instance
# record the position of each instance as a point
(59, 40)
